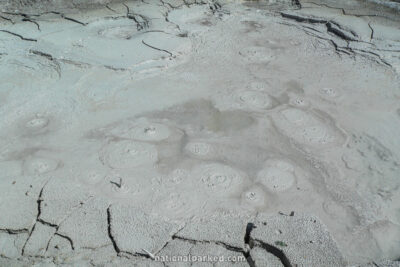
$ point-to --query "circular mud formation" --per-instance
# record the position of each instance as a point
(128, 154)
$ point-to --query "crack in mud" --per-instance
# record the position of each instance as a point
(114, 243)
(141, 23)
(220, 243)
(251, 242)
(275, 251)
(32, 21)
(19, 36)
(73, 20)
(71, 242)
(337, 30)
(13, 231)
(156, 48)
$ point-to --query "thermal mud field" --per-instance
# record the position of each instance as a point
(135, 131)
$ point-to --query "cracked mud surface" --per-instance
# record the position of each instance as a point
(136, 131)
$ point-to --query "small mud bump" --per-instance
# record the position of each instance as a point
(219, 179)
(178, 176)
(329, 92)
(40, 165)
(199, 149)
(128, 154)
(121, 189)
(257, 54)
(177, 205)
(119, 32)
(255, 99)
(317, 134)
(296, 116)
(118, 28)
(92, 177)
(125, 185)
(299, 102)
(252, 25)
(254, 197)
(307, 128)
(277, 176)
(251, 100)
(36, 125)
(104, 95)
(143, 130)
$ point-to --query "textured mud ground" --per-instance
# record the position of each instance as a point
(136, 130)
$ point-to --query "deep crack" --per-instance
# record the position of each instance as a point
(109, 230)
(68, 239)
(249, 244)
(20, 36)
(159, 49)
